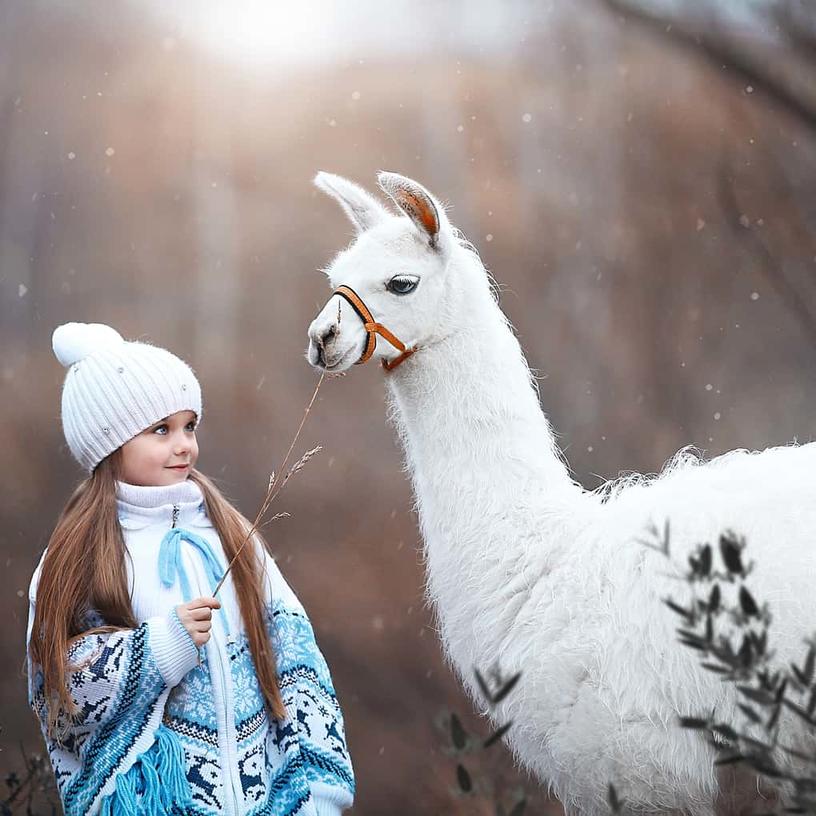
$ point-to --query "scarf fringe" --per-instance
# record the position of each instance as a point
(155, 785)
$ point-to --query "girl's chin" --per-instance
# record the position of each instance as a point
(158, 478)
(174, 476)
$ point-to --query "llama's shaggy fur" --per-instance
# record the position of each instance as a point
(531, 572)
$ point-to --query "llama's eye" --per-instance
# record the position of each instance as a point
(402, 284)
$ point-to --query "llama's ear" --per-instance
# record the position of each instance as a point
(417, 203)
(361, 207)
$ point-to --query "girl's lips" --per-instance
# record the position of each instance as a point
(178, 467)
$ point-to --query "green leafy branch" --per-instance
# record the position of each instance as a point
(731, 640)
(507, 800)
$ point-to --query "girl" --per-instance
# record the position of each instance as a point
(137, 718)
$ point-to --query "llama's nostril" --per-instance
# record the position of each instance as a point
(328, 335)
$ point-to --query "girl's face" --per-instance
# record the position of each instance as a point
(163, 454)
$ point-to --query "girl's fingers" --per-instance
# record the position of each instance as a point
(197, 618)
(204, 602)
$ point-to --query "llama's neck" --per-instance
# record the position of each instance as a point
(495, 499)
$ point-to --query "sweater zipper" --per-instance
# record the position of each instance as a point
(229, 724)
(175, 515)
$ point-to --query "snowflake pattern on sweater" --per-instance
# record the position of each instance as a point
(149, 710)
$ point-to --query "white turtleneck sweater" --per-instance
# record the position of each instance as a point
(144, 693)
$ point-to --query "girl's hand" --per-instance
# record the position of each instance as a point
(196, 617)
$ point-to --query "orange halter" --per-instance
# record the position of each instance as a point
(373, 329)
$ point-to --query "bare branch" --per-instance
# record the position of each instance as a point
(722, 54)
(769, 267)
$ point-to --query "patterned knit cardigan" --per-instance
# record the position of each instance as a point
(159, 732)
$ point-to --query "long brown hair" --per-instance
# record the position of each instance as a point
(84, 569)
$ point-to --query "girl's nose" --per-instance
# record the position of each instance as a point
(181, 446)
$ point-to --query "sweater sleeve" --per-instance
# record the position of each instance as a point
(120, 685)
(310, 699)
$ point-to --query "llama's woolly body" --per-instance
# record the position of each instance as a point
(532, 573)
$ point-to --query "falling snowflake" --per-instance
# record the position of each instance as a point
(527, 118)
(355, 95)
(21, 290)
(109, 152)
(72, 155)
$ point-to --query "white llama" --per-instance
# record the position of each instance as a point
(528, 570)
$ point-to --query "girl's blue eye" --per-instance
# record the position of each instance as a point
(164, 428)
(402, 284)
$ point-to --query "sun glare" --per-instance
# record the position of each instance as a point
(260, 32)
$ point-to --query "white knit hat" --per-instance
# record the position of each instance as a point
(115, 389)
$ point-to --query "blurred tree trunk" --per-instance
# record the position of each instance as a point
(218, 273)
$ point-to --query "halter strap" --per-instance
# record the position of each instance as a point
(373, 329)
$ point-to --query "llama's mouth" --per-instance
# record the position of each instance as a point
(318, 360)
(340, 362)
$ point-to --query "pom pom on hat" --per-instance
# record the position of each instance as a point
(115, 389)
(73, 342)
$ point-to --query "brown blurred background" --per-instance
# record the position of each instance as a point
(639, 179)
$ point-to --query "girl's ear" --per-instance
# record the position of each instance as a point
(419, 205)
(361, 207)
